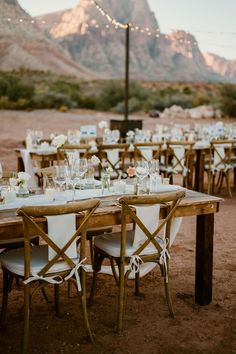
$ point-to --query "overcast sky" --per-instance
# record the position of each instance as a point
(211, 21)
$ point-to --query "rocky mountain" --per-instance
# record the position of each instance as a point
(24, 45)
(99, 46)
(222, 66)
(82, 42)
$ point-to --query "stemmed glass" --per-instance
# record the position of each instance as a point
(73, 177)
(61, 175)
(82, 167)
(154, 167)
(142, 170)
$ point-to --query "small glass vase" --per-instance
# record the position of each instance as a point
(106, 182)
(23, 191)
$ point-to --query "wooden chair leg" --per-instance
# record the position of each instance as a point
(26, 318)
(121, 296)
(168, 297)
(57, 299)
(220, 182)
(4, 300)
(84, 306)
(227, 177)
(137, 292)
(96, 267)
(209, 183)
(91, 250)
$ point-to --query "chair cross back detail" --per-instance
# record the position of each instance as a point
(122, 150)
(222, 151)
(127, 202)
(30, 216)
(83, 150)
(154, 146)
(181, 162)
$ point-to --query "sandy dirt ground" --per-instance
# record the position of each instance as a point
(147, 326)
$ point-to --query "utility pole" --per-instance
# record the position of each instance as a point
(127, 72)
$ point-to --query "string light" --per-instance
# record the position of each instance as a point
(155, 33)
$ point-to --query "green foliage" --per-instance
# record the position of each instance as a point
(228, 100)
(15, 89)
(52, 100)
(25, 89)
(111, 94)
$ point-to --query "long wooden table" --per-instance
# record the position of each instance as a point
(195, 203)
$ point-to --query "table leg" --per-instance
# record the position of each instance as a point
(204, 259)
(199, 171)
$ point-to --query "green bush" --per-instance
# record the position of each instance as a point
(52, 100)
(228, 100)
(112, 93)
(15, 89)
(135, 105)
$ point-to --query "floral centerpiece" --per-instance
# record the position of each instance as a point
(106, 172)
(59, 141)
(20, 184)
(103, 124)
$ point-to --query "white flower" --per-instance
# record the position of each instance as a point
(95, 160)
(109, 169)
(93, 145)
(130, 134)
(103, 124)
(23, 176)
(59, 140)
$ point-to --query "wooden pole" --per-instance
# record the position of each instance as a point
(127, 72)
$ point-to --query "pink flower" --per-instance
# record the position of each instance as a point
(131, 171)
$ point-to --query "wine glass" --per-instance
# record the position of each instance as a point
(142, 170)
(82, 167)
(61, 175)
(154, 167)
(73, 177)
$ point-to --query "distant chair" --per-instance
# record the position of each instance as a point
(220, 164)
(114, 155)
(179, 160)
(147, 151)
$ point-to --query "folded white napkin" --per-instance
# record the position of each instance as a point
(179, 152)
(25, 154)
(113, 156)
(147, 153)
(60, 229)
(149, 215)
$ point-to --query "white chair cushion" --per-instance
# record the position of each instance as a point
(110, 243)
(13, 260)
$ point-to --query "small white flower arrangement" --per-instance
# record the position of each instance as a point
(21, 180)
(106, 172)
(59, 140)
(130, 134)
(103, 124)
(95, 160)
(93, 145)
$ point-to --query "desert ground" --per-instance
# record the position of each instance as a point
(147, 326)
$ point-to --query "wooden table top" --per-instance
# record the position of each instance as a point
(108, 213)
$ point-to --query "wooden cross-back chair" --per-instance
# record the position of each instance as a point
(83, 151)
(179, 160)
(115, 156)
(220, 164)
(34, 264)
(147, 151)
(128, 254)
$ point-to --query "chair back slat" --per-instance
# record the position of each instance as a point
(171, 199)
(32, 215)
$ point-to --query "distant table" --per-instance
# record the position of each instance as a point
(195, 203)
